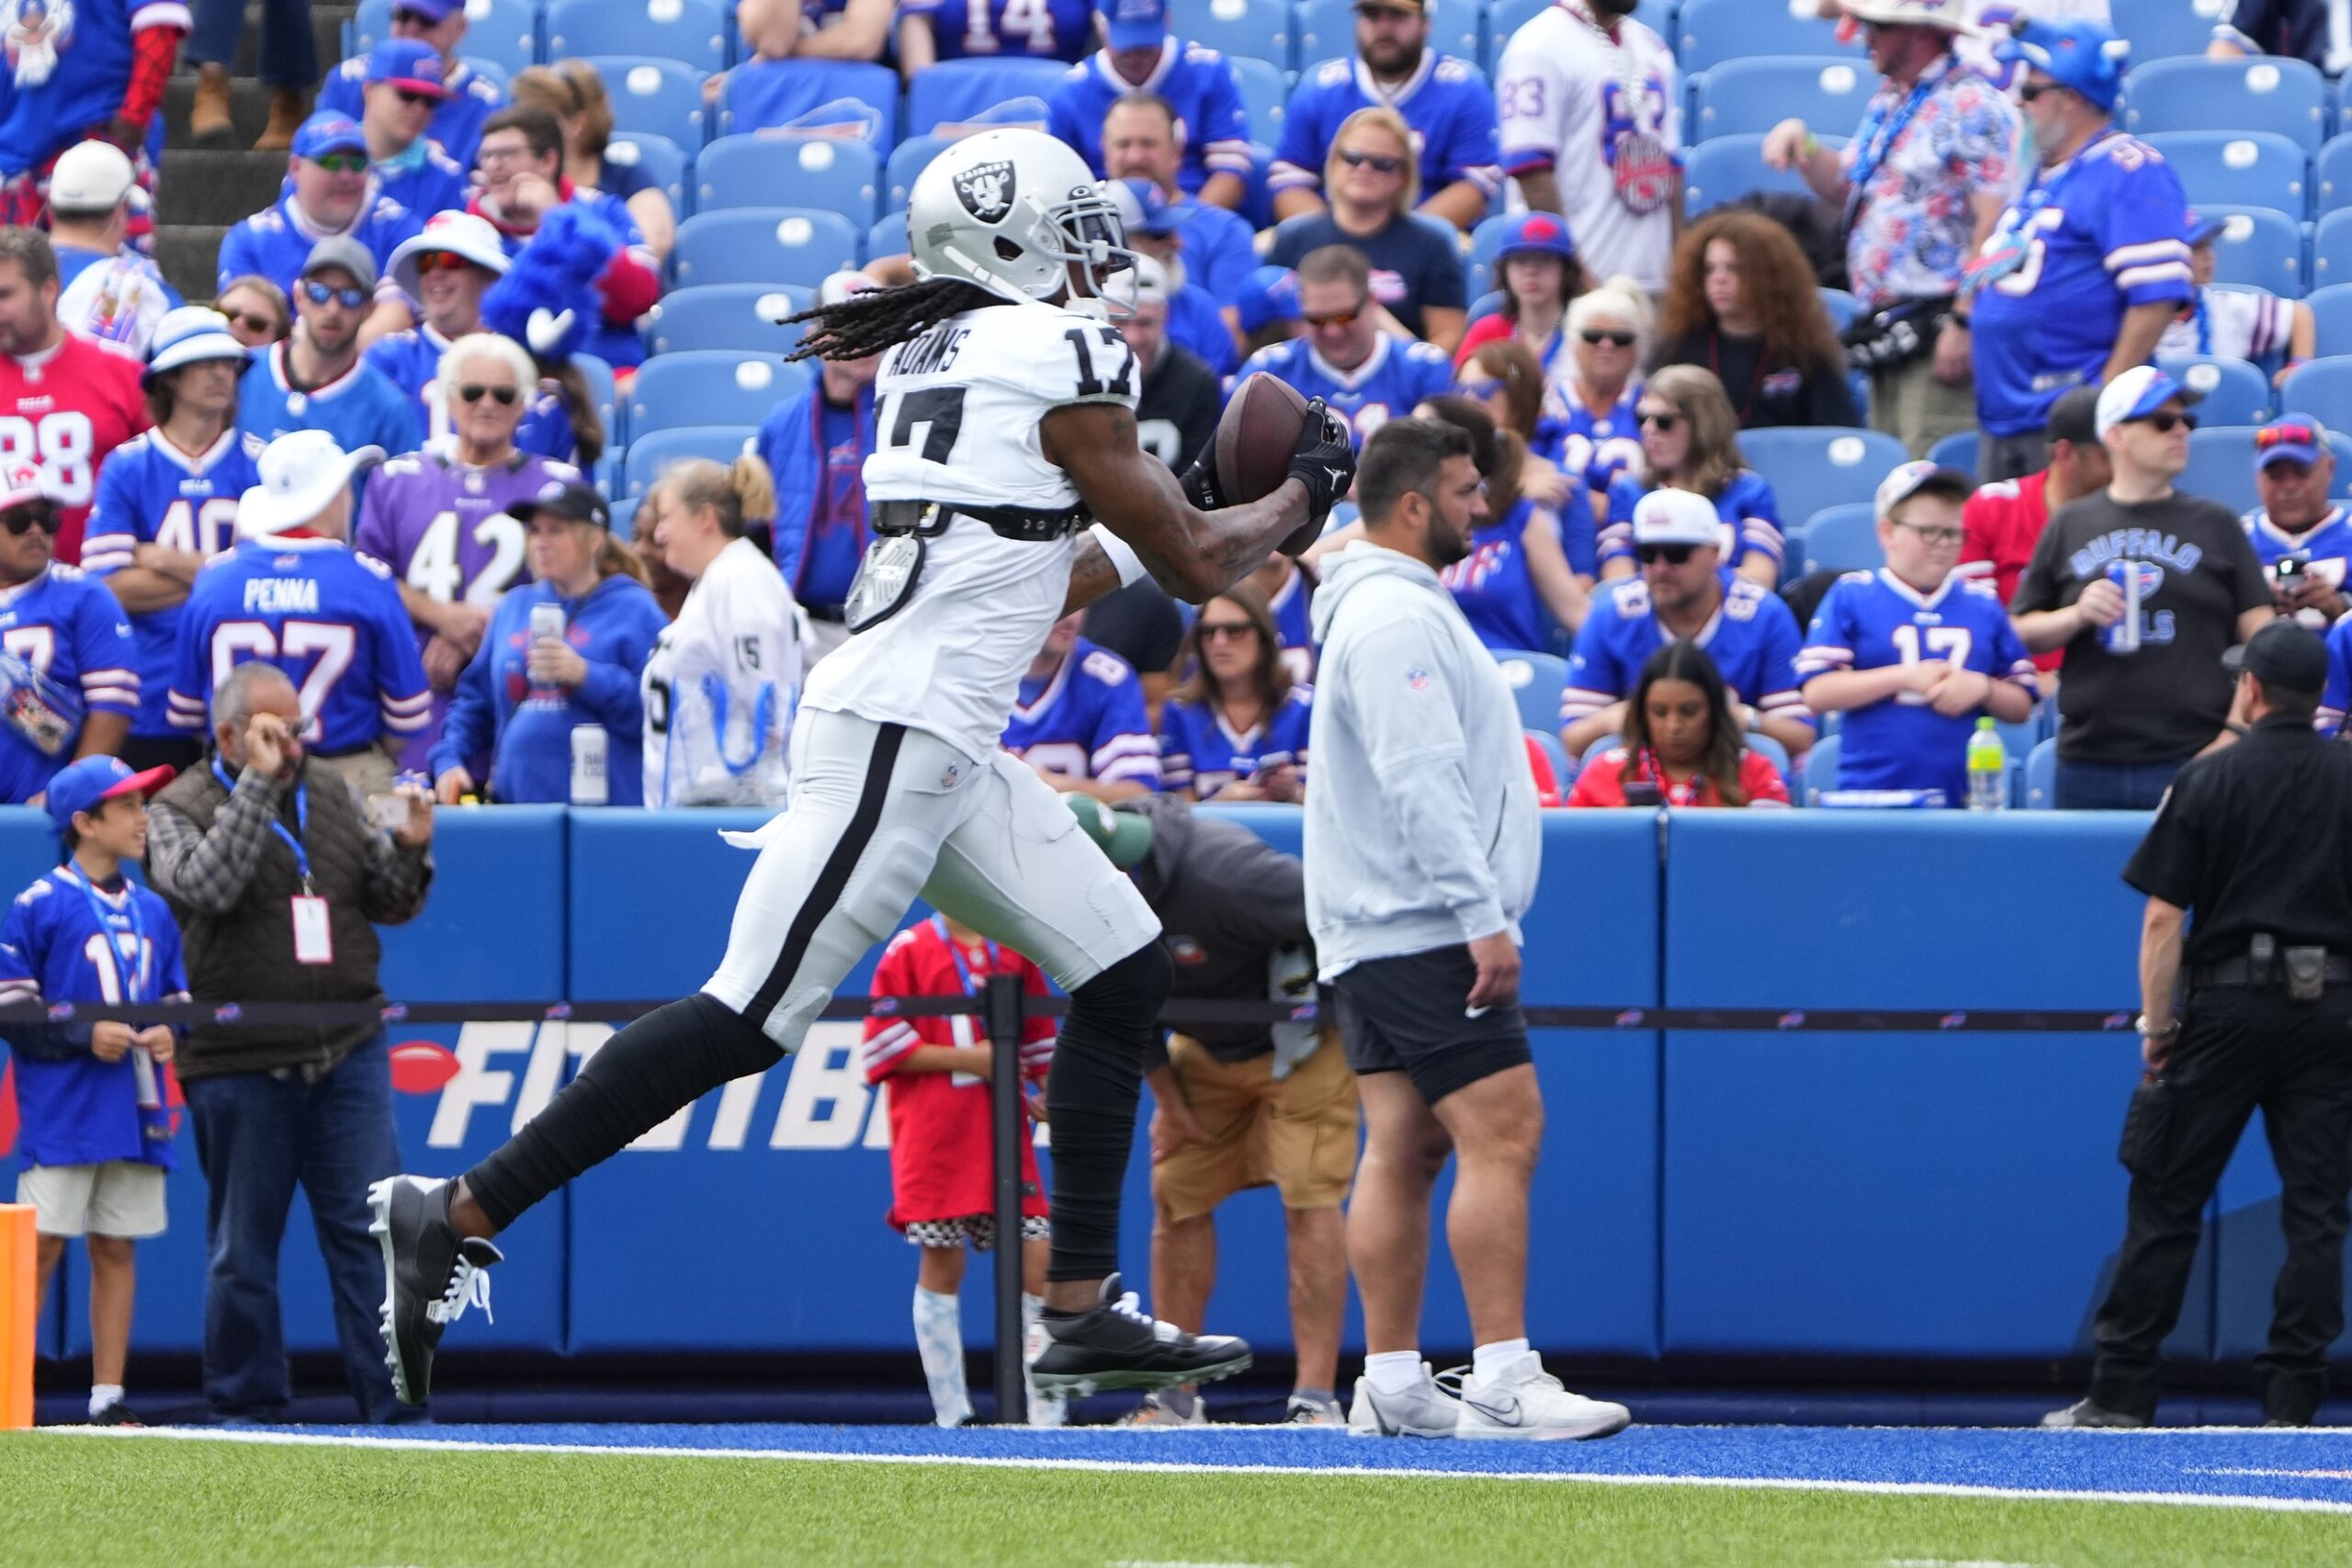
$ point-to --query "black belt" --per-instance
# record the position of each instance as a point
(932, 517)
(2240, 972)
(829, 613)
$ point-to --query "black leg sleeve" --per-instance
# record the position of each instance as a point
(637, 1080)
(1090, 1094)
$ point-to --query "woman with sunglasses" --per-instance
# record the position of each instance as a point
(1681, 744)
(1237, 728)
(1538, 275)
(1691, 441)
(1372, 179)
(69, 682)
(1607, 337)
(1743, 302)
(258, 312)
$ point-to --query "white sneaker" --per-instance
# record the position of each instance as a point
(1527, 1402)
(1424, 1410)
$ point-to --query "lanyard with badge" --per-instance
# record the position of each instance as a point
(313, 939)
(1638, 158)
(961, 1025)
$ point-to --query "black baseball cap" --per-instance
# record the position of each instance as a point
(2285, 654)
(573, 502)
(2075, 417)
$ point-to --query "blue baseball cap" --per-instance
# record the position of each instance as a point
(82, 785)
(2080, 55)
(2290, 440)
(2137, 393)
(2204, 230)
(1537, 233)
(409, 64)
(1135, 24)
(1144, 208)
(1268, 295)
(435, 12)
(329, 132)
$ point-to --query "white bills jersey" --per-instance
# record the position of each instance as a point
(721, 686)
(956, 416)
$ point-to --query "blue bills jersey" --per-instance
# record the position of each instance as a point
(991, 30)
(1086, 721)
(427, 182)
(330, 618)
(92, 41)
(1492, 584)
(276, 242)
(66, 940)
(1199, 752)
(1387, 385)
(1220, 249)
(2324, 549)
(1445, 101)
(1751, 637)
(75, 638)
(456, 125)
(1197, 81)
(358, 407)
(1291, 606)
(2102, 233)
(1599, 448)
(1195, 322)
(2337, 697)
(1751, 520)
(412, 361)
(150, 492)
(1871, 619)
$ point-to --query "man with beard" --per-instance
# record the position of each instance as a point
(68, 403)
(314, 380)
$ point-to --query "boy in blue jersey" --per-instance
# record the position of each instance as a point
(1683, 592)
(404, 87)
(168, 504)
(97, 1135)
(2086, 269)
(472, 98)
(1144, 139)
(1361, 374)
(330, 194)
(1079, 719)
(294, 594)
(315, 379)
(2299, 522)
(1912, 654)
(68, 681)
(1197, 82)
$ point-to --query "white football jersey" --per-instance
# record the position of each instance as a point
(956, 414)
(719, 688)
(1572, 99)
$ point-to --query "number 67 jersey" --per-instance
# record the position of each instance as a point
(956, 414)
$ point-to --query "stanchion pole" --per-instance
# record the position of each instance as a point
(1004, 1019)
(20, 1312)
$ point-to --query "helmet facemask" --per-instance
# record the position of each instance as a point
(1092, 240)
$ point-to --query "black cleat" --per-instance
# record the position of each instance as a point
(432, 1276)
(116, 1414)
(1117, 1345)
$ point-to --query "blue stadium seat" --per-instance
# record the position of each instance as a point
(648, 456)
(2270, 92)
(1265, 96)
(768, 170)
(737, 316)
(1564, 773)
(1821, 769)
(773, 94)
(2332, 248)
(658, 96)
(1535, 681)
(2331, 175)
(1958, 451)
(2260, 245)
(1813, 468)
(623, 515)
(2332, 314)
(663, 160)
(1843, 538)
(888, 238)
(1484, 241)
(1258, 204)
(505, 33)
(908, 160)
(599, 376)
(1740, 96)
(1241, 29)
(1730, 166)
(2321, 389)
(764, 244)
(2041, 776)
(957, 92)
(672, 391)
(1842, 307)
(2221, 464)
(2239, 168)
(1709, 32)
(692, 32)
(2164, 29)
(2234, 391)
(1772, 752)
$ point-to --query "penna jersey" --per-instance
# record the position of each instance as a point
(1199, 752)
(330, 618)
(2100, 234)
(957, 421)
(1751, 637)
(1871, 619)
(1085, 721)
(991, 30)
(74, 636)
(153, 493)
(1751, 519)
(718, 688)
(1445, 101)
(1196, 81)
(1386, 386)
(412, 361)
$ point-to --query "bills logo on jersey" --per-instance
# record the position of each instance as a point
(985, 191)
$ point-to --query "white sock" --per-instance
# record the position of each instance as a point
(103, 1394)
(1044, 1409)
(939, 1336)
(1489, 1363)
(1392, 1371)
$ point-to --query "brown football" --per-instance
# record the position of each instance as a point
(1255, 437)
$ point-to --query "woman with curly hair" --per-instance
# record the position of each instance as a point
(1742, 302)
(1689, 441)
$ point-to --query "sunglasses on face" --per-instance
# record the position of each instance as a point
(1218, 631)
(1672, 555)
(18, 519)
(1661, 422)
(342, 163)
(1335, 318)
(265, 326)
(473, 392)
(2166, 424)
(414, 99)
(1372, 161)
(319, 294)
(1614, 340)
(1479, 389)
(2033, 90)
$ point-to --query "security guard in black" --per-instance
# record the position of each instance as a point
(2254, 847)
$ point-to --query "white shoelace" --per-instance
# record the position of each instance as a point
(1130, 1306)
(469, 1286)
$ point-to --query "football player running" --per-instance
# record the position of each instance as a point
(1004, 423)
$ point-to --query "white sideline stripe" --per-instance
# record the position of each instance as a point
(1170, 1467)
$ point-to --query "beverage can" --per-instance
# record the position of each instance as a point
(589, 746)
(2123, 637)
(547, 621)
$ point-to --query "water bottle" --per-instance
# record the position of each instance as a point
(2123, 637)
(1988, 769)
(590, 748)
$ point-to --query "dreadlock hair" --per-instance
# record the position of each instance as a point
(878, 319)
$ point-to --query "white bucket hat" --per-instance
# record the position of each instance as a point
(189, 335)
(465, 235)
(301, 472)
(1949, 15)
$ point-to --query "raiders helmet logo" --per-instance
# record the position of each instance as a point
(985, 190)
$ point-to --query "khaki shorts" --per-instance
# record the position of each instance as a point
(1298, 1134)
(121, 1198)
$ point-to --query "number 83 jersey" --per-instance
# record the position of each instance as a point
(957, 418)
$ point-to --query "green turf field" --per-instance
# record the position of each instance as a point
(107, 1502)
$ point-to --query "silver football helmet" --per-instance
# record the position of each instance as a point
(1010, 210)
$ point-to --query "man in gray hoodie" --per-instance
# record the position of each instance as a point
(1422, 845)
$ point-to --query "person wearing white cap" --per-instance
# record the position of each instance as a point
(1682, 593)
(1912, 654)
(293, 593)
(168, 504)
(68, 677)
(2144, 588)
(107, 291)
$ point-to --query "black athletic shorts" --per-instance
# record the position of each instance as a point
(1406, 1014)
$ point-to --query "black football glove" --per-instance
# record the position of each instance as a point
(1324, 461)
(1200, 482)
